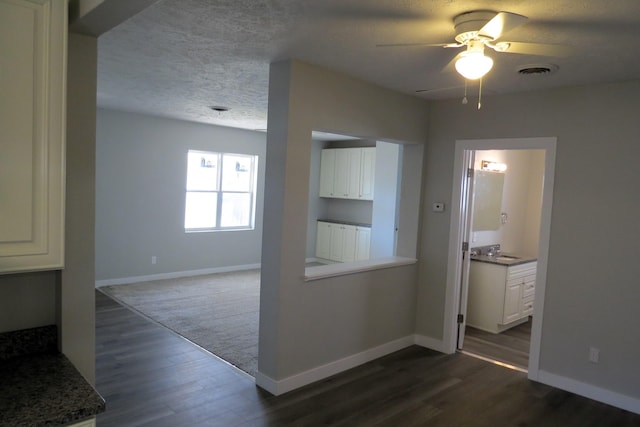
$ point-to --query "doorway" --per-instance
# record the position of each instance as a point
(460, 239)
(505, 212)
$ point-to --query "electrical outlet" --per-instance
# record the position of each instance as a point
(594, 355)
(154, 260)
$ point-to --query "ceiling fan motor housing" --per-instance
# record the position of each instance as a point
(468, 24)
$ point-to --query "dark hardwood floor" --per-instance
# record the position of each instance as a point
(511, 346)
(151, 377)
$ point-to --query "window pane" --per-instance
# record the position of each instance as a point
(202, 171)
(236, 172)
(236, 210)
(200, 210)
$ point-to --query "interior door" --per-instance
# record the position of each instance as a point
(467, 214)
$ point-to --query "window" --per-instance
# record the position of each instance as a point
(220, 191)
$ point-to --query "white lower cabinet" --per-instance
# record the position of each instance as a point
(342, 242)
(500, 296)
(363, 243)
(323, 240)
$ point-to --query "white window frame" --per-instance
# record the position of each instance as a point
(220, 194)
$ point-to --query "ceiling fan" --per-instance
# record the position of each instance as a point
(482, 29)
(477, 30)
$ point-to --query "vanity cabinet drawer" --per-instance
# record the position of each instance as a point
(528, 289)
(522, 270)
(527, 306)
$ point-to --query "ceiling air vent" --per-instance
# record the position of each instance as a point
(537, 69)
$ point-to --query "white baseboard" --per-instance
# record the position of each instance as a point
(609, 397)
(175, 275)
(278, 387)
(430, 343)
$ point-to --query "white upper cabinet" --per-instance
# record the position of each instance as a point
(347, 173)
(33, 39)
(327, 172)
(368, 173)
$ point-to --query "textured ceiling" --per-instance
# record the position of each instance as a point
(178, 57)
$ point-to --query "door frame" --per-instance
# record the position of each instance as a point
(467, 189)
(457, 237)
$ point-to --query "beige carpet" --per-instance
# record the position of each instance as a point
(219, 312)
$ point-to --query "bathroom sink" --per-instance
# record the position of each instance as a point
(506, 258)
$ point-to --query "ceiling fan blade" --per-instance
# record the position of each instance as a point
(502, 23)
(440, 89)
(539, 49)
(446, 45)
(451, 66)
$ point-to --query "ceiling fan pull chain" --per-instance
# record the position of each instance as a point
(465, 100)
(480, 94)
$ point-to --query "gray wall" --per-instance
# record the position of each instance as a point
(383, 229)
(27, 300)
(140, 195)
(304, 325)
(318, 206)
(592, 291)
(77, 294)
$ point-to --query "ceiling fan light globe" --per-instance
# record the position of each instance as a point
(473, 65)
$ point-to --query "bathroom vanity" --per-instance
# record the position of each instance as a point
(501, 291)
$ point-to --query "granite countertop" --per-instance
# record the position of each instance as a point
(41, 388)
(337, 221)
(498, 259)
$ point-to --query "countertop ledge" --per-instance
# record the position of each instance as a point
(342, 269)
(45, 390)
(38, 385)
(337, 221)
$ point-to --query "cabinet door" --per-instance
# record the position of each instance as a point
(323, 240)
(512, 302)
(32, 128)
(353, 188)
(327, 171)
(341, 174)
(349, 243)
(363, 243)
(337, 242)
(367, 173)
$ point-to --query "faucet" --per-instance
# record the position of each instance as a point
(493, 250)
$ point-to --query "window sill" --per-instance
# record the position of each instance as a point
(342, 269)
(216, 230)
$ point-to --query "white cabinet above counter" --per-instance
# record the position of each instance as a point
(347, 173)
(32, 134)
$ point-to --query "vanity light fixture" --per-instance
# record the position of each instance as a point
(490, 166)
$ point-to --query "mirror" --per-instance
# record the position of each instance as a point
(487, 201)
